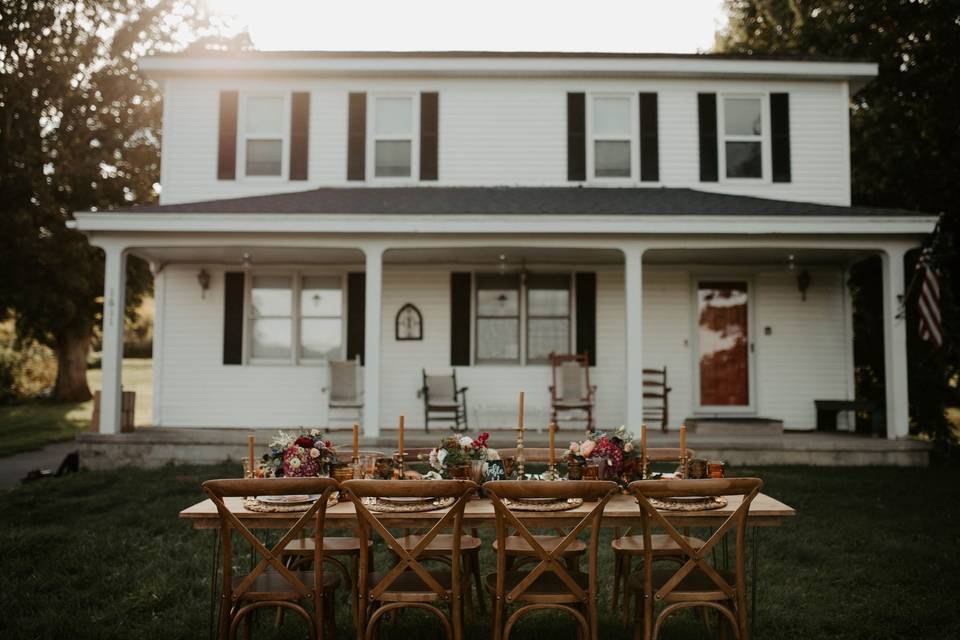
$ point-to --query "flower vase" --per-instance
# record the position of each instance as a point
(574, 471)
(459, 472)
(477, 470)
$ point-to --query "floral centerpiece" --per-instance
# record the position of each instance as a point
(454, 454)
(303, 455)
(616, 454)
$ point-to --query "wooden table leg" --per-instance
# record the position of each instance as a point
(214, 601)
(755, 572)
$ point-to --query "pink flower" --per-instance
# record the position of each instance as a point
(314, 453)
(575, 447)
(587, 448)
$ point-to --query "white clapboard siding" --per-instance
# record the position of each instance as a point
(503, 132)
(803, 358)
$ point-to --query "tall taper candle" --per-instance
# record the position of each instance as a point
(250, 441)
(400, 442)
(356, 441)
(553, 452)
(520, 417)
(643, 451)
(683, 450)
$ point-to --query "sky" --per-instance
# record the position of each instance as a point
(669, 26)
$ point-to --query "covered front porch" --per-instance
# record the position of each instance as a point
(795, 346)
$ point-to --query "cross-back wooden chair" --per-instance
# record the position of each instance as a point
(695, 583)
(571, 391)
(443, 401)
(271, 583)
(656, 403)
(630, 545)
(409, 583)
(550, 584)
(518, 549)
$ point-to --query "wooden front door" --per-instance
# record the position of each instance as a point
(724, 344)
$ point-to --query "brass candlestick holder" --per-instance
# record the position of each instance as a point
(519, 460)
(399, 458)
(683, 464)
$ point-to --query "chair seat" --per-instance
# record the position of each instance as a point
(547, 588)
(273, 585)
(332, 546)
(441, 544)
(518, 546)
(410, 587)
(563, 404)
(663, 545)
(697, 586)
(345, 404)
(444, 405)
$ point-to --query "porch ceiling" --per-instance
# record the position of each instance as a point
(259, 256)
(513, 256)
(753, 256)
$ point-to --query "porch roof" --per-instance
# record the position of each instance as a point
(550, 201)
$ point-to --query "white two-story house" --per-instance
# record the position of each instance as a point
(687, 212)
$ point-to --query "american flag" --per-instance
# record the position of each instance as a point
(928, 302)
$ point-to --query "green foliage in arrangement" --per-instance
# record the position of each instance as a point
(905, 152)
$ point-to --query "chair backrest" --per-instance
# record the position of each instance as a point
(668, 454)
(571, 376)
(218, 490)
(369, 522)
(532, 454)
(344, 380)
(650, 517)
(599, 490)
(440, 388)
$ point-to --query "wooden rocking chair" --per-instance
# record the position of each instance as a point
(343, 390)
(655, 401)
(571, 390)
(443, 401)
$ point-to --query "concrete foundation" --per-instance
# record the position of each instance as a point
(156, 446)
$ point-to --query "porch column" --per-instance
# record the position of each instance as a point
(633, 297)
(114, 295)
(895, 344)
(371, 340)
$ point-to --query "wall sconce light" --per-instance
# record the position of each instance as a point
(803, 283)
(204, 279)
(245, 261)
(502, 265)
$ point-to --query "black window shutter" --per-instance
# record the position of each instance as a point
(429, 123)
(576, 136)
(227, 137)
(586, 302)
(233, 285)
(299, 134)
(780, 136)
(707, 114)
(357, 137)
(356, 314)
(649, 138)
(460, 319)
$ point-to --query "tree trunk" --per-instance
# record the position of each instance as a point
(71, 384)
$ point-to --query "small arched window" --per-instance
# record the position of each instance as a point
(409, 323)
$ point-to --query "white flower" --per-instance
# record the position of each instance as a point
(493, 454)
(466, 442)
(434, 462)
(314, 453)
(294, 463)
(575, 447)
(441, 456)
(627, 448)
(314, 432)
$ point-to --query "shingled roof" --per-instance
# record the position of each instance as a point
(548, 201)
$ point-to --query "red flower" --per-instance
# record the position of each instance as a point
(304, 441)
(481, 440)
(328, 444)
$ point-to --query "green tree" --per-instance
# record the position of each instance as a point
(905, 148)
(79, 129)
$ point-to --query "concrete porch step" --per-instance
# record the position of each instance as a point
(734, 426)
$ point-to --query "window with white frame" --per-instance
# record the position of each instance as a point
(548, 316)
(743, 136)
(305, 310)
(612, 136)
(498, 318)
(264, 135)
(507, 303)
(393, 134)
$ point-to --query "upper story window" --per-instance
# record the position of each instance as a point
(264, 135)
(612, 137)
(743, 136)
(295, 318)
(393, 136)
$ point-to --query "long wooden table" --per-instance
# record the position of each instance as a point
(622, 511)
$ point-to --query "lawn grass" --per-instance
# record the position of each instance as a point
(35, 424)
(871, 554)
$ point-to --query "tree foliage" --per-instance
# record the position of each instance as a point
(79, 130)
(905, 148)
